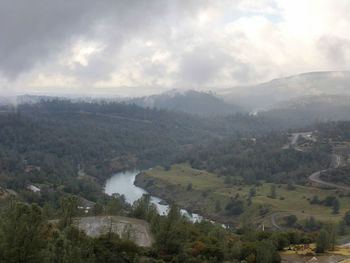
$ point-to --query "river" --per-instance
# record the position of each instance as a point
(123, 184)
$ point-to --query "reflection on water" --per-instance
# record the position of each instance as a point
(123, 184)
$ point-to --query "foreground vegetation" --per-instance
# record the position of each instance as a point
(212, 196)
(27, 236)
(55, 155)
(257, 178)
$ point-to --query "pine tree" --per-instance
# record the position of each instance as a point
(335, 206)
(69, 210)
(21, 239)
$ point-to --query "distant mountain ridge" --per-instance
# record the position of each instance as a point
(264, 95)
(309, 109)
(320, 88)
(189, 101)
(342, 100)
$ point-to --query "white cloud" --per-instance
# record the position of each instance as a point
(140, 47)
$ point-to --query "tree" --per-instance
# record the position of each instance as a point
(111, 249)
(143, 208)
(311, 224)
(234, 207)
(347, 218)
(322, 241)
(281, 241)
(291, 220)
(77, 246)
(290, 186)
(252, 192)
(273, 191)
(315, 200)
(98, 208)
(342, 228)
(327, 238)
(21, 239)
(249, 230)
(266, 252)
(68, 210)
(170, 235)
(189, 187)
(335, 206)
(116, 205)
(331, 228)
(328, 201)
(217, 206)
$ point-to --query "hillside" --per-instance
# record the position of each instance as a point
(257, 178)
(265, 95)
(190, 101)
(303, 111)
(62, 137)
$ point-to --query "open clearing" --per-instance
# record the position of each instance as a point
(207, 188)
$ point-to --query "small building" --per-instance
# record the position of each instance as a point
(33, 188)
(85, 205)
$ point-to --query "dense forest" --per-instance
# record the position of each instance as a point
(27, 236)
(249, 160)
(59, 136)
(69, 149)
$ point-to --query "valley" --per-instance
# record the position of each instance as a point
(245, 172)
(174, 131)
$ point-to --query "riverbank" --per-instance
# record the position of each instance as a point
(123, 184)
(193, 200)
(207, 194)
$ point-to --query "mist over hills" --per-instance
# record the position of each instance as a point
(305, 110)
(313, 96)
(266, 95)
(189, 101)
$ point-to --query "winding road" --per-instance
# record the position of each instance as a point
(315, 177)
(275, 215)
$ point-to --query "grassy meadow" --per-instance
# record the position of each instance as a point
(200, 191)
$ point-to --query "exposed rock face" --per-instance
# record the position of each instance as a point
(127, 228)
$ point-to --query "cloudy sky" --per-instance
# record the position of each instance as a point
(140, 47)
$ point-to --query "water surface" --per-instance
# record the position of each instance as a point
(123, 184)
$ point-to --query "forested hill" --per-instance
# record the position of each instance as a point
(58, 136)
(248, 160)
(190, 101)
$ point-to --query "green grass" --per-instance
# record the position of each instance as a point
(181, 175)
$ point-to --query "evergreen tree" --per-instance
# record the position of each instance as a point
(266, 252)
(347, 218)
(273, 191)
(322, 241)
(335, 206)
(21, 239)
(68, 210)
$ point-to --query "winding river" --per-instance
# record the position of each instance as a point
(123, 184)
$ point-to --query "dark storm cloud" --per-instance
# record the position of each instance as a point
(35, 31)
(44, 44)
(31, 31)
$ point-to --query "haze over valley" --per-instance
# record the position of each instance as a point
(174, 131)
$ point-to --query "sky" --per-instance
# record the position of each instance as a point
(141, 47)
